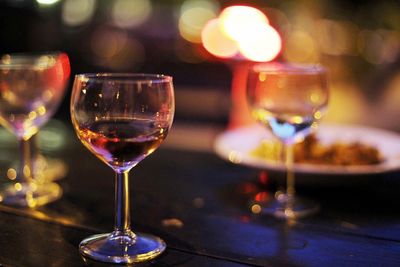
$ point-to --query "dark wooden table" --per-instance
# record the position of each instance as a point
(198, 204)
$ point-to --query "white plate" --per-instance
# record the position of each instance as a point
(236, 145)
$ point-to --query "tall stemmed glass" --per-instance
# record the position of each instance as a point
(122, 118)
(31, 88)
(289, 100)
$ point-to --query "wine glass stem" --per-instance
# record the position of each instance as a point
(122, 211)
(290, 181)
(34, 152)
(26, 167)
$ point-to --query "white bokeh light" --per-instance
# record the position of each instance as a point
(77, 12)
(129, 14)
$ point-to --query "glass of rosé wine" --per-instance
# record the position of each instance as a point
(31, 89)
(288, 100)
(121, 119)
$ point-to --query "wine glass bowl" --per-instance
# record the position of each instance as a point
(121, 119)
(289, 100)
(31, 88)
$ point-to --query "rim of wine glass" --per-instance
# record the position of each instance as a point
(125, 77)
(287, 67)
(27, 60)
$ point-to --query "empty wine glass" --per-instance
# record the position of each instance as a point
(31, 88)
(122, 118)
(289, 100)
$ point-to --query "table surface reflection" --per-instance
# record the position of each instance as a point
(198, 204)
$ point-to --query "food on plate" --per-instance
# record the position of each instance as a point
(312, 151)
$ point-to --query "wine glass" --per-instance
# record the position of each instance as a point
(122, 118)
(289, 100)
(31, 88)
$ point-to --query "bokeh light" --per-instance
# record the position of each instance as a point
(243, 31)
(344, 94)
(47, 2)
(211, 5)
(193, 17)
(217, 42)
(379, 46)
(77, 12)
(301, 47)
(263, 46)
(337, 37)
(106, 43)
(115, 50)
(241, 22)
(129, 14)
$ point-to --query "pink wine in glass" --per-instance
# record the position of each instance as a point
(122, 143)
(122, 118)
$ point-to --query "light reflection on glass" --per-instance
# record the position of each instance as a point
(172, 222)
(44, 216)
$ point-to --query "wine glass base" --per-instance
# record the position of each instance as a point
(122, 249)
(281, 208)
(29, 195)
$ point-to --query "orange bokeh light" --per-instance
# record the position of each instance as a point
(217, 42)
(242, 30)
(241, 22)
(263, 46)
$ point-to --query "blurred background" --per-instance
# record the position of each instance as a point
(358, 41)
